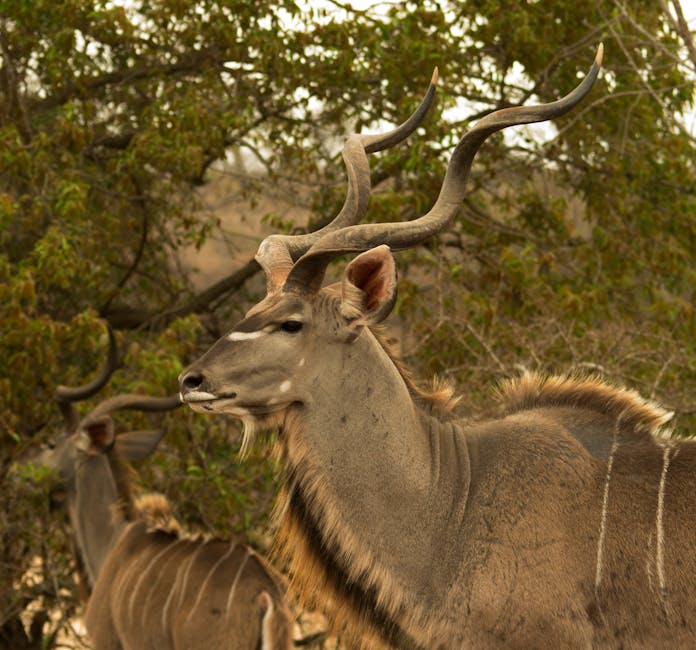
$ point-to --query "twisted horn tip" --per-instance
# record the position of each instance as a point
(433, 79)
(599, 57)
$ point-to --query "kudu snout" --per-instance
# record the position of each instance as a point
(190, 380)
(196, 386)
(199, 381)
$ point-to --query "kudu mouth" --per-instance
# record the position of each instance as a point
(230, 406)
(203, 401)
(193, 393)
(201, 396)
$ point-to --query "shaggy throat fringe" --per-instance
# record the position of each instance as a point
(330, 568)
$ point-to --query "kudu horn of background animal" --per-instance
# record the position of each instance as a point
(307, 273)
(66, 396)
(133, 402)
(278, 253)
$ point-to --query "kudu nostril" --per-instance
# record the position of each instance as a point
(190, 382)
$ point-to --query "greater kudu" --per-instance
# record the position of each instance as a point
(569, 522)
(152, 585)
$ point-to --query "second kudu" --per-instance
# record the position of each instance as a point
(152, 586)
(567, 523)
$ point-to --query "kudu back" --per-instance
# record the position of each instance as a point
(153, 586)
(566, 523)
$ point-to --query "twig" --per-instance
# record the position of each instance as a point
(485, 346)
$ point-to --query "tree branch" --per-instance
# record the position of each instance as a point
(134, 264)
(188, 63)
(120, 317)
(680, 26)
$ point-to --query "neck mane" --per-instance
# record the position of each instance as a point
(634, 415)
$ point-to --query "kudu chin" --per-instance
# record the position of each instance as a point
(567, 523)
(152, 585)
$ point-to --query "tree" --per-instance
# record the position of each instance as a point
(574, 249)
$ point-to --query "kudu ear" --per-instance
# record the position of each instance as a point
(97, 435)
(368, 288)
(137, 445)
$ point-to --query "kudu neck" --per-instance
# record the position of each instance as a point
(94, 513)
(378, 465)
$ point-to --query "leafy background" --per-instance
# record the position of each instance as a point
(574, 249)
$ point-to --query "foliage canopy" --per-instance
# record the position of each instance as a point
(575, 248)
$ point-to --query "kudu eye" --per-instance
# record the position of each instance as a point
(291, 326)
(50, 444)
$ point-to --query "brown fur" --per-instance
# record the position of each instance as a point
(365, 602)
(162, 590)
(152, 531)
(355, 614)
(133, 549)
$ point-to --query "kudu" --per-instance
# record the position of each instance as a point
(567, 522)
(153, 586)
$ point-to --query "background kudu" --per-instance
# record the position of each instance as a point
(152, 585)
(566, 522)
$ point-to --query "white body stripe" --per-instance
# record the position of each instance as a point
(230, 598)
(141, 577)
(167, 604)
(603, 518)
(649, 564)
(659, 525)
(207, 578)
(123, 587)
(184, 582)
(162, 572)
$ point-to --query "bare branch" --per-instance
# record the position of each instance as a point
(120, 317)
(133, 266)
(486, 347)
(679, 25)
(199, 303)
